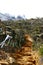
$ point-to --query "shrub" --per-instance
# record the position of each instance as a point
(41, 51)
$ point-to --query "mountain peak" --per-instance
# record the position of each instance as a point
(6, 16)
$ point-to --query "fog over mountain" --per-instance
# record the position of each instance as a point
(6, 16)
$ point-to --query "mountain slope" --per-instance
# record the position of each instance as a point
(5, 17)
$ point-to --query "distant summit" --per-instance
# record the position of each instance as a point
(21, 17)
(6, 16)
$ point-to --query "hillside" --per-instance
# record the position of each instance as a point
(33, 27)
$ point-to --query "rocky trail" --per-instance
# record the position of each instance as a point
(23, 56)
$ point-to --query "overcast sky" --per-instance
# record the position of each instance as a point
(29, 8)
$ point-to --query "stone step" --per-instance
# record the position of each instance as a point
(25, 49)
(24, 63)
(26, 53)
(3, 62)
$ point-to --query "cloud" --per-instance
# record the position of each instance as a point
(29, 8)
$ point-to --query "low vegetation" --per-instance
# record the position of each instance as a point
(33, 27)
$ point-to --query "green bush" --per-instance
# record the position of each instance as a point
(41, 51)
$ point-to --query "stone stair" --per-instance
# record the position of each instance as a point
(25, 58)
(25, 55)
